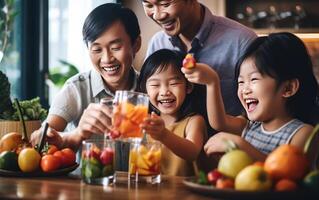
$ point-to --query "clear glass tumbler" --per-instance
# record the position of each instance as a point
(145, 161)
(109, 103)
(98, 161)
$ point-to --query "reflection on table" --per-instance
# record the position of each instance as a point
(74, 188)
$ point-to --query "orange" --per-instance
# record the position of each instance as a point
(286, 161)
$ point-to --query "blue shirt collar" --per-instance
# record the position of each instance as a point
(202, 34)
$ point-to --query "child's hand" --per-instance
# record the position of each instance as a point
(217, 143)
(201, 74)
(154, 126)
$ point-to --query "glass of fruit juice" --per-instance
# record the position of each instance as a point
(129, 112)
(97, 163)
(145, 161)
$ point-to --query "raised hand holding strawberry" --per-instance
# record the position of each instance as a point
(189, 61)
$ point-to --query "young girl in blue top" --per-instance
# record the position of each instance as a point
(276, 87)
(178, 127)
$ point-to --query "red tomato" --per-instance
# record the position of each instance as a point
(67, 156)
(52, 149)
(50, 163)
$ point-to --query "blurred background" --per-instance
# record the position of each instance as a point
(45, 46)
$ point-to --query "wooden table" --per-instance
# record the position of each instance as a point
(73, 188)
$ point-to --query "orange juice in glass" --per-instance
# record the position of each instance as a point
(129, 112)
(145, 161)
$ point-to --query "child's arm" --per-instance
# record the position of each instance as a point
(300, 139)
(217, 144)
(187, 148)
(218, 118)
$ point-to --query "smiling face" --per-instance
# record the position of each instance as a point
(167, 90)
(112, 55)
(259, 93)
(172, 15)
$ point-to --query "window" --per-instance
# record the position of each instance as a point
(66, 19)
(10, 62)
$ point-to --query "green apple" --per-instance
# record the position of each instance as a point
(253, 178)
(311, 181)
(232, 162)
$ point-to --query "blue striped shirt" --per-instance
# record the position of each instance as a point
(267, 141)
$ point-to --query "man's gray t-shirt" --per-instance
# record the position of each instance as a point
(219, 43)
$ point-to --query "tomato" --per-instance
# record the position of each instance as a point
(50, 163)
(52, 149)
(67, 156)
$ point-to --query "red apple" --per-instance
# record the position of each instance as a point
(189, 61)
(213, 176)
(106, 157)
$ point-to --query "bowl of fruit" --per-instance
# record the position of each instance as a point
(19, 158)
(284, 174)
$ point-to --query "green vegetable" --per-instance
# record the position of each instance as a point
(31, 109)
(202, 179)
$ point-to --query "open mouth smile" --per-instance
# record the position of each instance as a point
(251, 104)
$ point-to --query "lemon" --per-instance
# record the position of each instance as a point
(29, 160)
(233, 162)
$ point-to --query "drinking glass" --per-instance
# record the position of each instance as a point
(109, 102)
(145, 161)
(97, 161)
(129, 112)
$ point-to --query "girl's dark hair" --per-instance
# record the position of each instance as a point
(103, 16)
(283, 56)
(160, 61)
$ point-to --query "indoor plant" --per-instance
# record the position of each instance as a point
(32, 111)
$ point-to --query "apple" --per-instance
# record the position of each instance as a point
(311, 180)
(233, 162)
(213, 176)
(189, 61)
(253, 178)
(107, 155)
